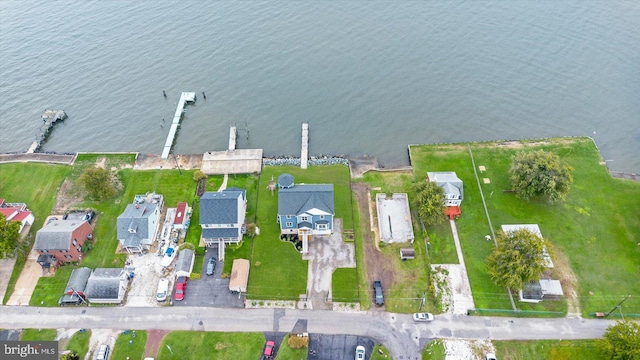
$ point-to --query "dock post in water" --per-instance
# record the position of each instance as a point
(304, 155)
(186, 97)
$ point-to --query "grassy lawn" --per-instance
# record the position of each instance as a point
(232, 252)
(38, 334)
(598, 217)
(547, 349)
(49, 289)
(287, 353)
(277, 269)
(37, 186)
(380, 353)
(79, 343)
(211, 345)
(130, 347)
(411, 278)
(344, 285)
(361, 267)
(434, 350)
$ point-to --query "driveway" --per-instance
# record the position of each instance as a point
(27, 281)
(330, 347)
(210, 290)
(326, 253)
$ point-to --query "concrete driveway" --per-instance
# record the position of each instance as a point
(327, 253)
(210, 290)
(27, 281)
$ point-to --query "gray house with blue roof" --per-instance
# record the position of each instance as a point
(306, 209)
(222, 216)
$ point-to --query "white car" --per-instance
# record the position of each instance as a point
(425, 317)
(360, 352)
(490, 356)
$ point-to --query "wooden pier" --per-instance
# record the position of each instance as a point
(49, 118)
(186, 97)
(304, 154)
(233, 134)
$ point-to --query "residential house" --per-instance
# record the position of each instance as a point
(138, 224)
(107, 286)
(17, 212)
(451, 184)
(222, 216)
(61, 241)
(306, 209)
(532, 228)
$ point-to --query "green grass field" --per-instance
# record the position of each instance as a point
(344, 285)
(36, 185)
(287, 353)
(129, 346)
(48, 290)
(595, 228)
(547, 349)
(38, 334)
(79, 343)
(211, 345)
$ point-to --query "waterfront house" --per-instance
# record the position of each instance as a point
(60, 241)
(222, 216)
(451, 184)
(138, 224)
(17, 212)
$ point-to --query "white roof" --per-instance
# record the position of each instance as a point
(551, 287)
(533, 228)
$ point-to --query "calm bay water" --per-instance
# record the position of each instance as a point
(369, 77)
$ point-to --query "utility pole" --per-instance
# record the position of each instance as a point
(617, 306)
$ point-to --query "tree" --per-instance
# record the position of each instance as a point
(429, 202)
(199, 175)
(621, 341)
(540, 174)
(517, 260)
(98, 183)
(9, 235)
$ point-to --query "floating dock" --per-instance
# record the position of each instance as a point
(304, 154)
(186, 97)
(49, 118)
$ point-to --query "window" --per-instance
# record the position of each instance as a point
(79, 248)
(289, 224)
(321, 217)
(304, 218)
(75, 242)
(321, 226)
(44, 251)
(64, 251)
(288, 216)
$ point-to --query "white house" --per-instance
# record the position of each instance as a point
(138, 224)
(451, 184)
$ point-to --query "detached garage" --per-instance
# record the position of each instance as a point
(239, 276)
(184, 266)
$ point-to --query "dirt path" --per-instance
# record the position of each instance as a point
(376, 265)
(154, 338)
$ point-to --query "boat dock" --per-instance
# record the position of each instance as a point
(304, 154)
(49, 118)
(232, 138)
(186, 97)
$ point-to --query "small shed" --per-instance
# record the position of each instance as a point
(78, 281)
(184, 264)
(285, 181)
(239, 276)
(407, 254)
(107, 286)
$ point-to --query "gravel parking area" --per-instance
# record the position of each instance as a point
(148, 271)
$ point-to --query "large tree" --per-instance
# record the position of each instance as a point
(9, 235)
(621, 341)
(518, 259)
(540, 174)
(429, 202)
(98, 183)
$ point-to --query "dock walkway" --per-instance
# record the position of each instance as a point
(304, 154)
(185, 98)
(49, 118)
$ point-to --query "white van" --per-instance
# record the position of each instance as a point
(163, 290)
(103, 352)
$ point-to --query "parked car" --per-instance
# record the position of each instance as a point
(181, 287)
(211, 266)
(360, 352)
(490, 356)
(163, 290)
(103, 352)
(66, 300)
(379, 296)
(426, 317)
(269, 349)
(89, 215)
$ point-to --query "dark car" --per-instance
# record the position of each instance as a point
(89, 216)
(211, 266)
(269, 349)
(66, 300)
(181, 287)
(377, 290)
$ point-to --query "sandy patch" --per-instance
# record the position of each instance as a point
(569, 283)
(148, 272)
(466, 349)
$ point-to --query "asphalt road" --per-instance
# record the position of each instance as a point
(403, 337)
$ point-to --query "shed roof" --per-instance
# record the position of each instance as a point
(302, 198)
(239, 275)
(185, 262)
(104, 283)
(78, 280)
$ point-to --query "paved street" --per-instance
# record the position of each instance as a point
(398, 332)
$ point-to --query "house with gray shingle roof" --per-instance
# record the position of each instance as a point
(451, 184)
(138, 224)
(184, 264)
(306, 209)
(61, 241)
(222, 216)
(107, 286)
